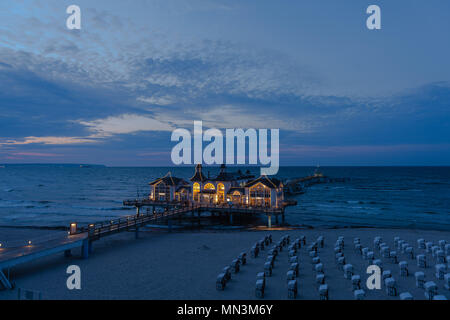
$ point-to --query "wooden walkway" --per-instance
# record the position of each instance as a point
(10, 257)
(84, 236)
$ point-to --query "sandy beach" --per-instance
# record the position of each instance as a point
(184, 265)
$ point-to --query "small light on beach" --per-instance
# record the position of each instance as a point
(73, 228)
(1, 244)
(29, 242)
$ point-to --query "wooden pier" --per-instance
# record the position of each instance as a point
(84, 236)
(10, 257)
(226, 209)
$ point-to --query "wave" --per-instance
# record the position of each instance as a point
(102, 208)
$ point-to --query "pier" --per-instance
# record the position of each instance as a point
(83, 237)
(158, 210)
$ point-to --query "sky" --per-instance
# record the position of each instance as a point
(113, 92)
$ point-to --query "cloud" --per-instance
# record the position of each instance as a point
(48, 141)
(124, 124)
(162, 101)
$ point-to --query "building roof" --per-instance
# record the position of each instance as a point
(225, 176)
(239, 189)
(198, 175)
(169, 180)
(265, 180)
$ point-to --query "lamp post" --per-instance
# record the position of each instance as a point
(73, 228)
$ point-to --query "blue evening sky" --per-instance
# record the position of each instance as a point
(112, 92)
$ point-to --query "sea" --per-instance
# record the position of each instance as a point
(392, 197)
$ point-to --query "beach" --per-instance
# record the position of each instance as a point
(184, 265)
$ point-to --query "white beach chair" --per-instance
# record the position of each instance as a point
(340, 244)
(409, 252)
(370, 257)
(420, 279)
(294, 267)
(315, 261)
(378, 263)
(227, 272)
(259, 289)
(430, 290)
(391, 286)
(439, 297)
(421, 261)
(318, 268)
(442, 244)
(261, 244)
(447, 281)
(292, 289)
(303, 240)
(291, 254)
(447, 249)
(421, 243)
(434, 250)
(404, 246)
(376, 242)
(320, 278)
(387, 274)
(356, 282)
(393, 257)
(440, 256)
(235, 266)
(400, 244)
(337, 256)
(396, 240)
(403, 265)
(440, 271)
(385, 252)
(221, 282)
(341, 262)
(358, 248)
(271, 260)
(280, 246)
(406, 296)
(292, 247)
(290, 275)
(261, 276)
(348, 271)
(268, 269)
(323, 292)
(364, 251)
(243, 258)
(359, 294)
(254, 252)
(320, 241)
(428, 246)
(293, 259)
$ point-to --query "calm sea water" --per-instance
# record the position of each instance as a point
(412, 197)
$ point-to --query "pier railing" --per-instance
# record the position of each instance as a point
(203, 206)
